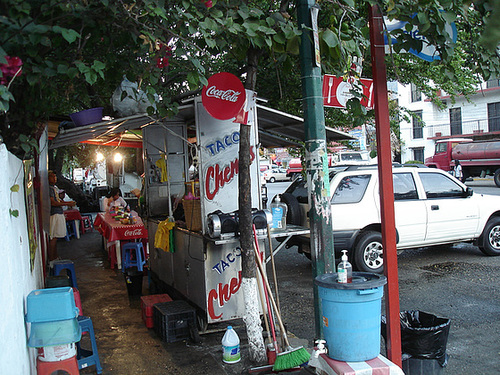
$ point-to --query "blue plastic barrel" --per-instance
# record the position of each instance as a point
(351, 315)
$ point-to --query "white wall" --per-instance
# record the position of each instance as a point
(16, 278)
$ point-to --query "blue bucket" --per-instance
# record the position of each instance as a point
(351, 315)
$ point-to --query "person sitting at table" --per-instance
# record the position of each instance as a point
(115, 200)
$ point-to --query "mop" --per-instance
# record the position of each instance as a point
(291, 357)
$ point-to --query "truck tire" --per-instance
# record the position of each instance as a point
(496, 177)
(490, 239)
(368, 252)
(294, 214)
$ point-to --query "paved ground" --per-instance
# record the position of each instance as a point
(125, 345)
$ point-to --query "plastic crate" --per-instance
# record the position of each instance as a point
(173, 320)
(48, 305)
(147, 305)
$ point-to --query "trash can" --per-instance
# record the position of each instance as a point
(351, 315)
(423, 342)
(133, 280)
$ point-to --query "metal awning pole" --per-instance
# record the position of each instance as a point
(385, 184)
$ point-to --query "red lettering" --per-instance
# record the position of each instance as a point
(225, 292)
(252, 154)
(210, 175)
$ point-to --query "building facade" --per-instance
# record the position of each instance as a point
(477, 118)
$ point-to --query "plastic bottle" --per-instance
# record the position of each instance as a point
(344, 269)
(278, 210)
(231, 346)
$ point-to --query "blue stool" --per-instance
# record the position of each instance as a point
(128, 260)
(69, 266)
(70, 229)
(88, 357)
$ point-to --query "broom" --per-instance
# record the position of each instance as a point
(291, 357)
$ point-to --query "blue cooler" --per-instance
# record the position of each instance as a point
(351, 315)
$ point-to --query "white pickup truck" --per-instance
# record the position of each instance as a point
(431, 208)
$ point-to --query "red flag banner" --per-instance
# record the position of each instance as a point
(337, 91)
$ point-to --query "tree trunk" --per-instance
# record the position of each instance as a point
(249, 282)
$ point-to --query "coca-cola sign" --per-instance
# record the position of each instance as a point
(133, 232)
(223, 96)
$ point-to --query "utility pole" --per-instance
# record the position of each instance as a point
(322, 251)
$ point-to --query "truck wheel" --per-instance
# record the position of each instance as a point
(490, 244)
(368, 252)
(294, 214)
(496, 177)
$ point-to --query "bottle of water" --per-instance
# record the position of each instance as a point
(231, 346)
(344, 269)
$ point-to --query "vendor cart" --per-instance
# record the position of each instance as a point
(196, 155)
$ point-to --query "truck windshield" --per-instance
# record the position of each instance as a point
(440, 147)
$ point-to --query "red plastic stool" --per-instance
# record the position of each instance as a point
(86, 224)
(47, 368)
(78, 301)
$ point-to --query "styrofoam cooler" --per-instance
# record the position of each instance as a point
(351, 315)
(57, 352)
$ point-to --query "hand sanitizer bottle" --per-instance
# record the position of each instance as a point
(278, 210)
(344, 269)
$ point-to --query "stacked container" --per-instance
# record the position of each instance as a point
(54, 324)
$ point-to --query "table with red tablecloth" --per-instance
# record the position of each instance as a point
(114, 231)
(74, 215)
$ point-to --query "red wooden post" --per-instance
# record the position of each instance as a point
(385, 184)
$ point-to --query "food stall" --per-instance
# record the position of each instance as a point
(196, 154)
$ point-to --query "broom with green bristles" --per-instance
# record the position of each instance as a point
(290, 357)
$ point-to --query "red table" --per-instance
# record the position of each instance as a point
(113, 232)
(74, 214)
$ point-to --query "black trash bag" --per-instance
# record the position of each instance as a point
(423, 335)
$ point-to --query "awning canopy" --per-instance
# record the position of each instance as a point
(276, 129)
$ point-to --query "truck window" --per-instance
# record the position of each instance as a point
(437, 185)
(353, 156)
(441, 147)
(404, 186)
(351, 189)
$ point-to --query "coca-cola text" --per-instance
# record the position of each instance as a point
(228, 95)
(135, 232)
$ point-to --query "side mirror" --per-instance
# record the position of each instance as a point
(468, 192)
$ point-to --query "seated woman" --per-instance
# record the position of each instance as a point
(115, 200)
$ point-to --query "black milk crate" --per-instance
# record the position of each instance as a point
(174, 320)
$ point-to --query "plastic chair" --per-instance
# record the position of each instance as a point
(69, 365)
(70, 229)
(88, 357)
(69, 266)
(133, 255)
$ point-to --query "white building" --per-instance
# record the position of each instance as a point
(477, 119)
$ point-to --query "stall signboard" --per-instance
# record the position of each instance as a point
(337, 91)
(218, 142)
(223, 96)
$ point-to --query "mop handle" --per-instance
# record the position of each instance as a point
(273, 266)
(264, 277)
(266, 294)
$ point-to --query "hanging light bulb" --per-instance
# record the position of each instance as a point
(99, 156)
(118, 157)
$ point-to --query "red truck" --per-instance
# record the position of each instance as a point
(478, 158)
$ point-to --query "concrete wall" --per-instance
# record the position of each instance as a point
(17, 279)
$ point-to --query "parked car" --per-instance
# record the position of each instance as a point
(276, 174)
(431, 208)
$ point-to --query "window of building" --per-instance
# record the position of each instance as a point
(494, 82)
(418, 131)
(418, 154)
(416, 94)
(494, 117)
(455, 121)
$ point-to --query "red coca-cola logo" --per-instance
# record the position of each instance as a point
(224, 96)
(135, 232)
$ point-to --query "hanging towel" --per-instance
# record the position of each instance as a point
(160, 163)
(164, 236)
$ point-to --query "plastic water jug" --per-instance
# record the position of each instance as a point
(231, 346)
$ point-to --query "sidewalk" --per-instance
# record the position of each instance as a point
(124, 343)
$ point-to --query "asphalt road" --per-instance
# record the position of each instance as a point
(456, 282)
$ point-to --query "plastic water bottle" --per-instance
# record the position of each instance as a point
(344, 269)
(278, 210)
(231, 346)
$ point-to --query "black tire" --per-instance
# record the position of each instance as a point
(496, 177)
(294, 214)
(490, 239)
(368, 252)
(272, 180)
